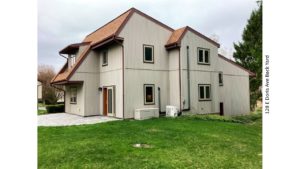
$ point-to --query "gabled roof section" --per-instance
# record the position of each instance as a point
(114, 27)
(177, 35)
(235, 64)
(102, 36)
(73, 48)
(110, 29)
(65, 74)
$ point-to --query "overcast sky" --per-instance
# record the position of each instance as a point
(62, 22)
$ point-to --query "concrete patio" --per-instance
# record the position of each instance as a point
(64, 119)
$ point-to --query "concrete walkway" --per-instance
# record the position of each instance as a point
(64, 119)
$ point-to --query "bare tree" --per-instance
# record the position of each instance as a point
(45, 74)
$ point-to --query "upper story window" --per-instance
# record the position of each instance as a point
(203, 56)
(148, 51)
(149, 94)
(73, 98)
(204, 92)
(105, 58)
(72, 60)
(220, 78)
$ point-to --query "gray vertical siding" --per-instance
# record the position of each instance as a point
(139, 31)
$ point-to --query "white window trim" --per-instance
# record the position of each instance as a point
(105, 63)
(205, 98)
(203, 54)
(153, 90)
(221, 84)
(72, 60)
(144, 53)
(71, 95)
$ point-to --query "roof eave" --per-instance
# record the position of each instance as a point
(172, 46)
(64, 82)
(251, 74)
(72, 48)
(107, 41)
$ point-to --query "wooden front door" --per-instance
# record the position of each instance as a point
(221, 109)
(105, 101)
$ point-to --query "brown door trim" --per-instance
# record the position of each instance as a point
(104, 101)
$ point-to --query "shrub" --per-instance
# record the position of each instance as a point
(55, 108)
(248, 118)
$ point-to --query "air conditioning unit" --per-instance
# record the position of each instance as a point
(146, 113)
(171, 111)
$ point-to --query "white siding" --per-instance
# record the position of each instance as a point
(111, 75)
(174, 78)
(88, 72)
(235, 90)
(139, 31)
(77, 108)
(199, 74)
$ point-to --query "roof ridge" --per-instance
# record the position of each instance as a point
(178, 39)
(153, 19)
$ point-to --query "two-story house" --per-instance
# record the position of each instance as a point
(135, 61)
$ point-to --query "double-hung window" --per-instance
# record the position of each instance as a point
(148, 52)
(203, 56)
(73, 98)
(149, 94)
(204, 92)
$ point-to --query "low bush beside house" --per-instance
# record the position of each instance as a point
(59, 108)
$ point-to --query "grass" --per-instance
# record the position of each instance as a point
(41, 112)
(183, 142)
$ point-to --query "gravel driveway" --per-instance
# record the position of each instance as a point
(64, 119)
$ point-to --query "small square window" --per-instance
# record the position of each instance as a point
(204, 92)
(149, 94)
(203, 56)
(148, 54)
(105, 58)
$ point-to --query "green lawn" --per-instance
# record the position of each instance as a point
(184, 142)
(40, 112)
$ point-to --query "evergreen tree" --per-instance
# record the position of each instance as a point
(248, 53)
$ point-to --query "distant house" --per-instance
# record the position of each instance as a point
(39, 90)
(136, 62)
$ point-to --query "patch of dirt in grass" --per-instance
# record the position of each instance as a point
(153, 130)
(141, 145)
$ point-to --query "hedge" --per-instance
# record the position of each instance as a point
(55, 108)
